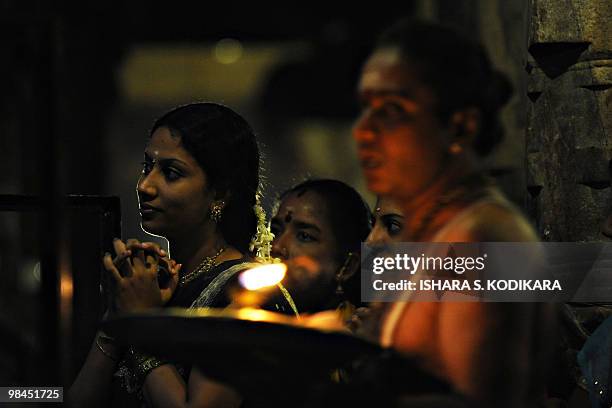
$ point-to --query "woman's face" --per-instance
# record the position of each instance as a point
(173, 191)
(302, 232)
(388, 222)
(401, 143)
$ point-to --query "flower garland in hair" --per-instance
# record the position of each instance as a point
(262, 244)
(262, 241)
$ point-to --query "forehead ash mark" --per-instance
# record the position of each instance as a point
(288, 217)
(384, 57)
(369, 78)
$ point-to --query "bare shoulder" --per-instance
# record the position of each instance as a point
(492, 222)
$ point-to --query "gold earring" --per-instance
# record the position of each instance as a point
(340, 275)
(216, 211)
(339, 289)
(455, 148)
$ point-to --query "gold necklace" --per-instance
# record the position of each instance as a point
(205, 266)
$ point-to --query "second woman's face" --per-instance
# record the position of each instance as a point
(388, 222)
(173, 192)
(400, 140)
(302, 230)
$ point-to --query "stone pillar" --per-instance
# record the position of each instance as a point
(569, 120)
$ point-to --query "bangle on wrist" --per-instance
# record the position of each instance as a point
(107, 339)
(142, 364)
(100, 340)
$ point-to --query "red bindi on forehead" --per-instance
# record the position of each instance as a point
(305, 206)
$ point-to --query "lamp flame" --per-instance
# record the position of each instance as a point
(262, 276)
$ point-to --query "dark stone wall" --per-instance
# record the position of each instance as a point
(569, 118)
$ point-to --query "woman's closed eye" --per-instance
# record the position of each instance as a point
(304, 236)
(392, 110)
(393, 224)
(171, 173)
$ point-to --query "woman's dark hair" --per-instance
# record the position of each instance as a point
(350, 216)
(224, 146)
(458, 71)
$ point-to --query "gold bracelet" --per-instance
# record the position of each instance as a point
(146, 366)
(142, 364)
(105, 352)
